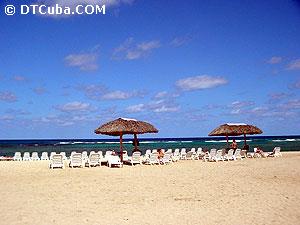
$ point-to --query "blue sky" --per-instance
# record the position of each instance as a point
(186, 67)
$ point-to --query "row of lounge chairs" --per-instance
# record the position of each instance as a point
(150, 158)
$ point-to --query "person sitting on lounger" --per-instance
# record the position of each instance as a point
(160, 154)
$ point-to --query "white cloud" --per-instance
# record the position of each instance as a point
(296, 85)
(100, 92)
(39, 90)
(200, 82)
(294, 65)
(7, 96)
(135, 108)
(130, 50)
(165, 108)
(179, 41)
(118, 95)
(274, 60)
(74, 107)
(84, 61)
(19, 78)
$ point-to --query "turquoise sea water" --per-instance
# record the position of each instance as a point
(267, 143)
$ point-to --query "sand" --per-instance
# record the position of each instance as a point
(252, 191)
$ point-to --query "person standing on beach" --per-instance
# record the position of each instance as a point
(233, 145)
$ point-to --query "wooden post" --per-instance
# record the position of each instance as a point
(135, 142)
(227, 141)
(121, 146)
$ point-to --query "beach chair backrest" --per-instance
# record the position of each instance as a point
(169, 151)
(63, 155)
(92, 152)
(154, 150)
(193, 150)
(189, 155)
(219, 153)
(100, 153)
(84, 154)
(230, 153)
(183, 151)
(136, 156)
(57, 159)
(18, 156)
(277, 150)
(26, 156)
(213, 152)
(199, 150)
(154, 157)
(44, 156)
(167, 157)
(35, 156)
(76, 158)
(108, 153)
(255, 150)
(94, 158)
(148, 152)
(51, 154)
(237, 153)
(176, 152)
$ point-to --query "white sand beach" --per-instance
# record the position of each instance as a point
(252, 191)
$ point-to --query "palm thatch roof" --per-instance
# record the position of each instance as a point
(125, 126)
(231, 129)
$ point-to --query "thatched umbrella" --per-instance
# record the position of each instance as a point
(122, 126)
(235, 129)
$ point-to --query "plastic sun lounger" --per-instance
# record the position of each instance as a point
(76, 160)
(189, 155)
(229, 155)
(17, 156)
(219, 156)
(237, 154)
(276, 152)
(57, 161)
(44, 156)
(26, 156)
(94, 160)
(183, 154)
(114, 160)
(136, 158)
(167, 158)
(211, 156)
(153, 159)
(35, 156)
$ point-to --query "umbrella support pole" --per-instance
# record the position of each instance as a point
(227, 141)
(121, 147)
(135, 142)
(245, 139)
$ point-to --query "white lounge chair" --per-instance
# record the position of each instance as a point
(76, 160)
(26, 156)
(166, 159)
(154, 150)
(183, 154)
(276, 152)
(135, 158)
(94, 159)
(35, 156)
(84, 156)
(219, 155)
(176, 155)
(189, 155)
(52, 154)
(237, 154)
(153, 159)
(211, 156)
(169, 151)
(17, 156)
(63, 155)
(44, 156)
(229, 155)
(57, 161)
(114, 160)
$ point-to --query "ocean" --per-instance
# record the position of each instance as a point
(267, 143)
